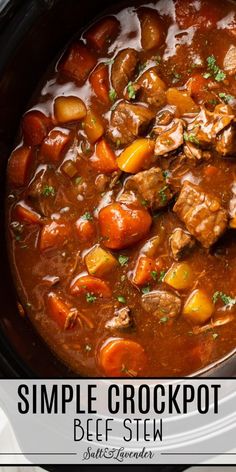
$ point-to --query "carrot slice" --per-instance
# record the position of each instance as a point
(18, 165)
(54, 235)
(103, 32)
(61, 311)
(121, 226)
(77, 62)
(99, 80)
(143, 270)
(54, 145)
(133, 158)
(35, 127)
(104, 159)
(122, 358)
(90, 284)
(85, 229)
(25, 213)
(196, 85)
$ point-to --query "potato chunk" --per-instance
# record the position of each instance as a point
(198, 308)
(99, 261)
(179, 276)
(67, 109)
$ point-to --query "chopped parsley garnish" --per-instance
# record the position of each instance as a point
(154, 274)
(226, 97)
(226, 299)
(121, 299)
(78, 180)
(157, 59)
(87, 216)
(90, 298)
(213, 101)
(123, 260)
(162, 194)
(162, 275)
(118, 143)
(131, 91)
(145, 290)
(163, 320)
(176, 77)
(165, 174)
(141, 67)
(112, 95)
(214, 70)
(144, 203)
(48, 191)
(191, 137)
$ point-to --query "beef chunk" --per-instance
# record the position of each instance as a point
(129, 121)
(170, 139)
(151, 186)
(123, 69)
(152, 88)
(230, 60)
(180, 243)
(121, 320)
(207, 125)
(202, 214)
(161, 303)
(226, 142)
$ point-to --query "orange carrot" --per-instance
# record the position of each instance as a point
(93, 126)
(85, 229)
(122, 358)
(211, 171)
(54, 145)
(25, 213)
(18, 165)
(92, 285)
(61, 311)
(54, 235)
(77, 62)
(35, 127)
(121, 226)
(197, 85)
(99, 80)
(136, 155)
(103, 32)
(143, 270)
(104, 159)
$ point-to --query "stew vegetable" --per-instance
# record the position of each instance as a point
(121, 196)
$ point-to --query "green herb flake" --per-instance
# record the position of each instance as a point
(214, 70)
(191, 137)
(162, 194)
(109, 62)
(123, 260)
(220, 76)
(131, 91)
(161, 276)
(163, 320)
(165, 174)
(79, 180)
(112, 95)
(48, 191)
(226, 97)
(87, 216)
(121, 299)
(145, 290)
(226, 299)
(90, 298)
(154, 274)
(176, 77)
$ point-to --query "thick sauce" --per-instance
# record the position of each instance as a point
(79, 206)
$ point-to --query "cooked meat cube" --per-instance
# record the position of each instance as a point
(42, 190)
(180, 243)
(171, 139)
(202, 214)
(230, 60)
(151, 186)
(123, 69)
(152, 88)
(232, 207)
(161, 303)
(226, 142)
(206, 126)
(121, 320)
(164, 118)
(129, 121)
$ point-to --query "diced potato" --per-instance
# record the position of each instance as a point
(99, 261)
(70, 168)
(179, 276)
(133, 158)
(93, 126)
(198, 308)
(181, 100)
(67, 109)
